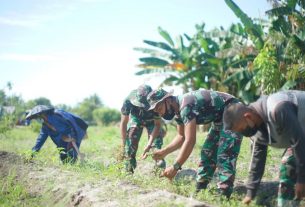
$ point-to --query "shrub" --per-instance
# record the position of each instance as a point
(6, 123)
(106, 116)
(35, 126)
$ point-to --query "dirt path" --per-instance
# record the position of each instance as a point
(63, 188)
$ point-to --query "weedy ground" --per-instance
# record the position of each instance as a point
(101, 180)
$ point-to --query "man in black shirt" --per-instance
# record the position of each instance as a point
(277, 120)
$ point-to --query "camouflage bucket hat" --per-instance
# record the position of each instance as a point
(157, 96)
(39, 109)
(139, 96)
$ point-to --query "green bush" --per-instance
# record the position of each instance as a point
(6, 123)
(106, 116)
(35, 126)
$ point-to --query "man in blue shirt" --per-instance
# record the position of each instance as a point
(65, 129)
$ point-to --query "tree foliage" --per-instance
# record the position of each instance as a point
(268, 76)
(106, 116)
(85, 108)
(252, 57)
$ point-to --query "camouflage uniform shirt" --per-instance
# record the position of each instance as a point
(204, 105)
(138, 116)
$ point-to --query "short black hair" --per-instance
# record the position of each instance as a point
(233, 113)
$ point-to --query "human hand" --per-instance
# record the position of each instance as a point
(169, 172)
(145, 153)
(247, 200)
(29, 156)
(33, 154)
(300, 190)
(158, 155)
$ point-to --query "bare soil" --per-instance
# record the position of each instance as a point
(63, 187)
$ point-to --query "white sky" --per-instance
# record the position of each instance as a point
(67, 50)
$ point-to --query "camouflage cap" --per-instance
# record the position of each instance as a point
(157, 96)
(39, 109)
(138, 97)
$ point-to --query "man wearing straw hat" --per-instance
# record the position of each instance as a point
(65, 129)
(220, 149)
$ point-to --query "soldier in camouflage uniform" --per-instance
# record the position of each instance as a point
(134, 117)
(220, 149)
(288, 179)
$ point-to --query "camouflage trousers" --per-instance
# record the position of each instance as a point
(220, 150)
(134, 134)
(288, 177)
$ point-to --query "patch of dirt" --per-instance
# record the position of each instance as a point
(64, 188)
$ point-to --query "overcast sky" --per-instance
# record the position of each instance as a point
(67, 50)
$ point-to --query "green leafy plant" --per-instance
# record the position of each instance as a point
(268, 76)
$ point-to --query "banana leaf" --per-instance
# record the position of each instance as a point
(152, 52)
(281, 25)
(243, 76)
(250, 27)
(299, 43)
(292, 3)
(171, 79)
(187, 37)
(211, 59)
(166, 36)
(238, 30)
(160, 45)
(154, 61)
(241, 62)
(180, 44)
(280, 11)
(203, 71)
(149, 71)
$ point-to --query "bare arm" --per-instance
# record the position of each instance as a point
(177, 141)
(174, 145)
(123, 128)
(189, 142)
(186, 149)
(155, 132)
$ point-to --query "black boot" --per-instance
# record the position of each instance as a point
(201, 185)
(224, 192)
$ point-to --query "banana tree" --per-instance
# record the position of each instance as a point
(287, 35)
(254, 30)
(215, 56)
(280, 62)
(239, 57)
(182, 62)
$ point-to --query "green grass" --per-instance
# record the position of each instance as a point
(14, 193)
(102, 147)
